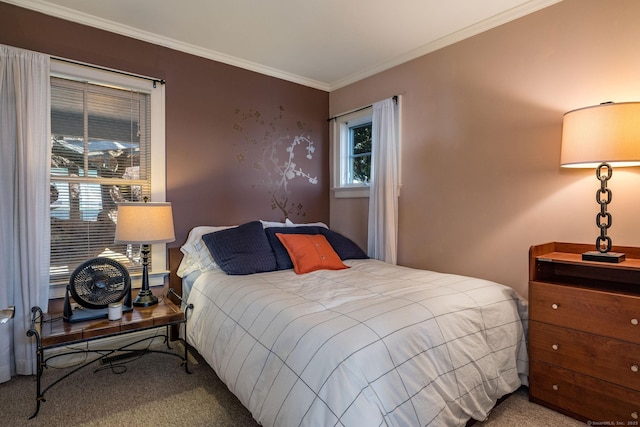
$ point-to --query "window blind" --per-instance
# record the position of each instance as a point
(100, 156)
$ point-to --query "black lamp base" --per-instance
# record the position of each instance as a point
(611, 257)
(145, 299)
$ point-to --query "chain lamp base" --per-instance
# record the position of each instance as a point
(603, 220)
(611, 257)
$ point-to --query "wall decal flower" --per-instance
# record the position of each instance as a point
(273, 151)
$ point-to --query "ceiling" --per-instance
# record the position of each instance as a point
(325, 44)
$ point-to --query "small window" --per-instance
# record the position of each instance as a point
(359, 157)
(352, 154)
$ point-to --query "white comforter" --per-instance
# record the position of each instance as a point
(372, 345)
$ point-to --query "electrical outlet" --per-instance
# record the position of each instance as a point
(7, 314)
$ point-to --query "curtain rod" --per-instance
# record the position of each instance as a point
(99, 67)
(395, 99)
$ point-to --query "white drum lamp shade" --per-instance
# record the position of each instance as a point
(144, 224)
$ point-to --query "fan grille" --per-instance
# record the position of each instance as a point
(98, 282)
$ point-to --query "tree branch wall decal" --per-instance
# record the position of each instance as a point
(272, 150)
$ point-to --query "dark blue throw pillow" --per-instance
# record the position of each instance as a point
(241, 250)
(344, 247)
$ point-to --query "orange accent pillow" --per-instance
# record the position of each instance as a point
(310, 252)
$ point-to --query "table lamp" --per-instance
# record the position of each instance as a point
(144, 224)
(602, 137)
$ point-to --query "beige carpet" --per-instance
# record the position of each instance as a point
(156, 391)
(518, 411)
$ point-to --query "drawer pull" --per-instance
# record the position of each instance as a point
(555, 387)
(634, 415)
(634, 368)
(555, 347)
(634, 321)
(555, 307)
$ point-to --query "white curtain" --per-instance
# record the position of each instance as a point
(24, 201)
(385, 182)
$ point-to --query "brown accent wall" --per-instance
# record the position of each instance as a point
(481, 129)
(221, 122)
(481, 133)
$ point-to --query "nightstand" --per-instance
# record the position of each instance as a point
(51, 332)
(584, 333)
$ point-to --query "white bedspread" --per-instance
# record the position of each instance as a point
(372, 345)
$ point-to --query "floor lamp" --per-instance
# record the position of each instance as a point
(602, 137)
(144, 224)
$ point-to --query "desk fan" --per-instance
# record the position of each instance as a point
(94, 285)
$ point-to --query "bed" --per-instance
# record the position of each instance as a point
(353, 342)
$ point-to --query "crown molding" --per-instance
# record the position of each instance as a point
(114, 27)
(125, 30)
(465, 33)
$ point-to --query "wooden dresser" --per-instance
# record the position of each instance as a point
(584, 334)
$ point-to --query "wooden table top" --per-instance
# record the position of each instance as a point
(55, 331)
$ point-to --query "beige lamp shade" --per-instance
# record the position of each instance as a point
(602, 133)
(144, 223)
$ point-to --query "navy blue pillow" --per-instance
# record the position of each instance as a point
(241, 250)
(344, 247)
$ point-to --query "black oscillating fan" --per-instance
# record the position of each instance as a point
(94, 285)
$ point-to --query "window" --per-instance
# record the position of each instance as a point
(103, 151)
(359, 157)
(352, 154)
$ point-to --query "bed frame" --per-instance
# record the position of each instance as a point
(174, 258)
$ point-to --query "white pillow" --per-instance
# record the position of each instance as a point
(289, 223)
(267, 224)
(187, 265)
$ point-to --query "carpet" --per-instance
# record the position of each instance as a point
(155, 390)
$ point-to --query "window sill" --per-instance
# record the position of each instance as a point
(155, 279)
(351, 192)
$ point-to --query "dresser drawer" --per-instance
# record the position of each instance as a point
(602, 357)
(582, 396)
(599, 312)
